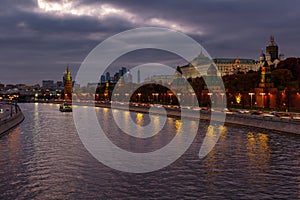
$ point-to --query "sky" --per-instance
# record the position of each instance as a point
(38, 38)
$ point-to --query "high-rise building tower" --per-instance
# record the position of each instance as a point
(67, 79)
(272, 49)
(138, 76)
(107, 76)
(102, 79)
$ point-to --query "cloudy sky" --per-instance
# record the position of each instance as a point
(38, 38)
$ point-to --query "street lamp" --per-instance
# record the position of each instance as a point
(178, 94)
(36, 96)
(193, 97)
(153, 98)
(139, 94)
(156, 97)
(126, 98)
(210, 94)
(170, 94)
(222, 95)
(263, 100)
(251, 94)
(116, 97)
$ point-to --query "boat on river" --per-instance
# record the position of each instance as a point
(65, 107)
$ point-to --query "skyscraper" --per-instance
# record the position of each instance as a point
(102, 79)
(107, 76)
(138, 76)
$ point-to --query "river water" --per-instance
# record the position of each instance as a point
(43, 158)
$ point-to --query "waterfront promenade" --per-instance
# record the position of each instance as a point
(263, 121)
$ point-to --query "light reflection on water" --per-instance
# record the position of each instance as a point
(258, 150)
(43, 158)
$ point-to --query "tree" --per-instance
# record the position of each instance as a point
(281, 77)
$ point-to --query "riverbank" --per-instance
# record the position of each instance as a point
(272, 123)
(10, 117)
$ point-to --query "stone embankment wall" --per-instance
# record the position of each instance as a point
(10, 122)
(256, 121)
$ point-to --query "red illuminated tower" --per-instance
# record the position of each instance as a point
(67, 79)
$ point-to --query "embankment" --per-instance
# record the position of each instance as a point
(11, 121)
(256, 121)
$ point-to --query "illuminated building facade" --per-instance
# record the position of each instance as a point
(225, 66)
(228, 66)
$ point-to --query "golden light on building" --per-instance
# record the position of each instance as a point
(238, 98)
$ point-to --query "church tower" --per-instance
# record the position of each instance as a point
(272, 49)
(67, 79)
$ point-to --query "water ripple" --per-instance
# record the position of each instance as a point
(43, 158)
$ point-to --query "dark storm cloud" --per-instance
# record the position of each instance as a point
(231, 27)
(37, 45)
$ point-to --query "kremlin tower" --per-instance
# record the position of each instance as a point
(67, 80)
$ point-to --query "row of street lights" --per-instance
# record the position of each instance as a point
(154, 96)
(168, 97)
(210, 94)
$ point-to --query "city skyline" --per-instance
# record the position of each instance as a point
(39, 38)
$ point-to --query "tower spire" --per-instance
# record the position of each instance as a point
(67, 79)
(272, 39)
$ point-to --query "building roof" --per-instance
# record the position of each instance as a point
(212, 68)
(232, 60)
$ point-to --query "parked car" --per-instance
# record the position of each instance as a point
(227, 111)
(257, 112)
(283, 115)
(243, 111)
(196, 108)
(205, 109)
